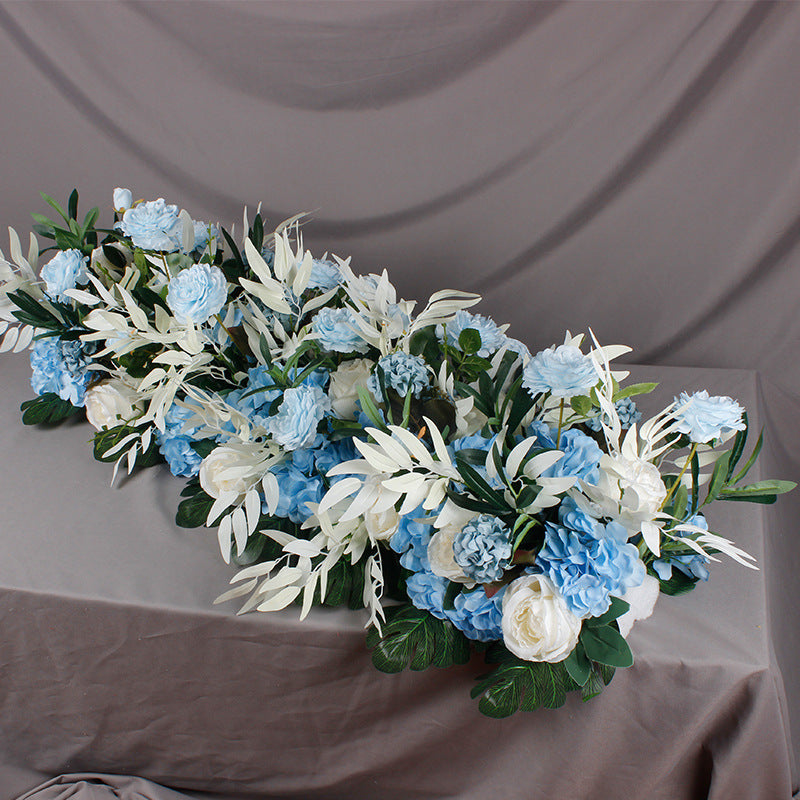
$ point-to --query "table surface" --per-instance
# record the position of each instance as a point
(116, 660)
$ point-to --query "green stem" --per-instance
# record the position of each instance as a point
(560, 421)
(680, 475)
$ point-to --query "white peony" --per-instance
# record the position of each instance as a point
(111, 403)
(222, 472)
(642, 600)
(537, 623)
(343, 389)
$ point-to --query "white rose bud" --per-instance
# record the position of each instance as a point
(123, 199)
(222, 472)
(343, 389)
(537, 623)
(382, 525)
(111, 403)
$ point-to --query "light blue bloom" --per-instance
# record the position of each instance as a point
(325, 275)
(174, 442)
(337, 331)
(203, 233)
(295, 424)
(477, 616)
(482, 548)
(693, 565)
(581, 457)
(295, 490)
(564, 371)
(401, 372)
(426, 592)
(65, 270)
(575, 518)
(411, 539)
(197, 293)
(62, 367)
(626, 410)
(589, 568)
(704, 418)
(477, 442)
(153, 225)
(492, 338)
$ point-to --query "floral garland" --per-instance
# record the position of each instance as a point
(423, 466)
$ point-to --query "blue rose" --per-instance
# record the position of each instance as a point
(175, 441)
(153, 225)
(492, 338)
(64, 271)
(295, 424)
(402, 372)
(564, 371)
(325, 275)
(337, 331)
(704, 418)
(482, 548)
(62, 367)
(197, 293)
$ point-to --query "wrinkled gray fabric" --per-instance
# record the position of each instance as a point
(632, 167)
(115, 660)
(101, 787)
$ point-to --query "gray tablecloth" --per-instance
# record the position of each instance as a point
(114, 659)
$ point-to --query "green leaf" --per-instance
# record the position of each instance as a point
(369, 408)
(45, 221)
(90, 219)
(717, 477)
(737, 448)
(257, 232)
(53, 204)
(760, 492)
(606, 645)
(415, 639)
(750, 461)
(203, 447)
(617, 608)
(634, 389)
(578, 665)
(599, 678)
(479, 487)
(72, 205)
(469, 340)
(679, 583)
(520, 405)
(695, 480)
(193, 511)
(109, 438)
(48, 408)
(680, 501)
(581, 404)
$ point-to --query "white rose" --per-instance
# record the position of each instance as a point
(642, 599)
(382, 525)
(537, 623)
(123, 199)
(111, 403)
(222, 472)
(343, 389)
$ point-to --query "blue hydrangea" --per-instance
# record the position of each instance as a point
(589, 568)
(575, 518)
(66, 270)
(426, 592)
(477, 442)
(296, 489)
(337, 331)
(703, 418)
(693, 565)
(626, 410)
(197, 293)
(174, 443)
(325, 275)
(492, 338)
(62, 367)
(332, 454)
(564, 371)
(581, 457)
(153, 225)
(402, 372)
(477, 616)
(482, 548)
(411, 539)
(295, 424)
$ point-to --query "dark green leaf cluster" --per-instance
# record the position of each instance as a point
(48, 409)
(71, 234)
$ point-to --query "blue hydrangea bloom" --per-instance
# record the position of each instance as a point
(581, 457)
(66, 270)
(704, 418)
(333, 453)
(174, 443)
(426, 591)
(411, 539)
(589, 568)
(693, 565)
(337, 331)
(477, 616)
(325, 275)
(627, 412)
(295, 490)
(477, 442)
(402, 372)
(492, 338)
(197, 293)
(564, 371)
(62, 367)
(482, 548)
(295, 424)
(574, 518)
(153, 225)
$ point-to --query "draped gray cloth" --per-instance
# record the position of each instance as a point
(632, 167)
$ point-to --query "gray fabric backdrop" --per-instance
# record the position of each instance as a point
(632, 167)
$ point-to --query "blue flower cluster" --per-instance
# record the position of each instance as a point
(337, 331)
(62, 367)
(295, 425)
(402, 372)
(626, 410)
(483, 548)
(66, 270)
(564, 371)
(703, 418)
(175, 441)
(197, 293)
(581, 457)
(492, 338)
(589, 567)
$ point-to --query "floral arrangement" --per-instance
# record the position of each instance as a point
(348, 449)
